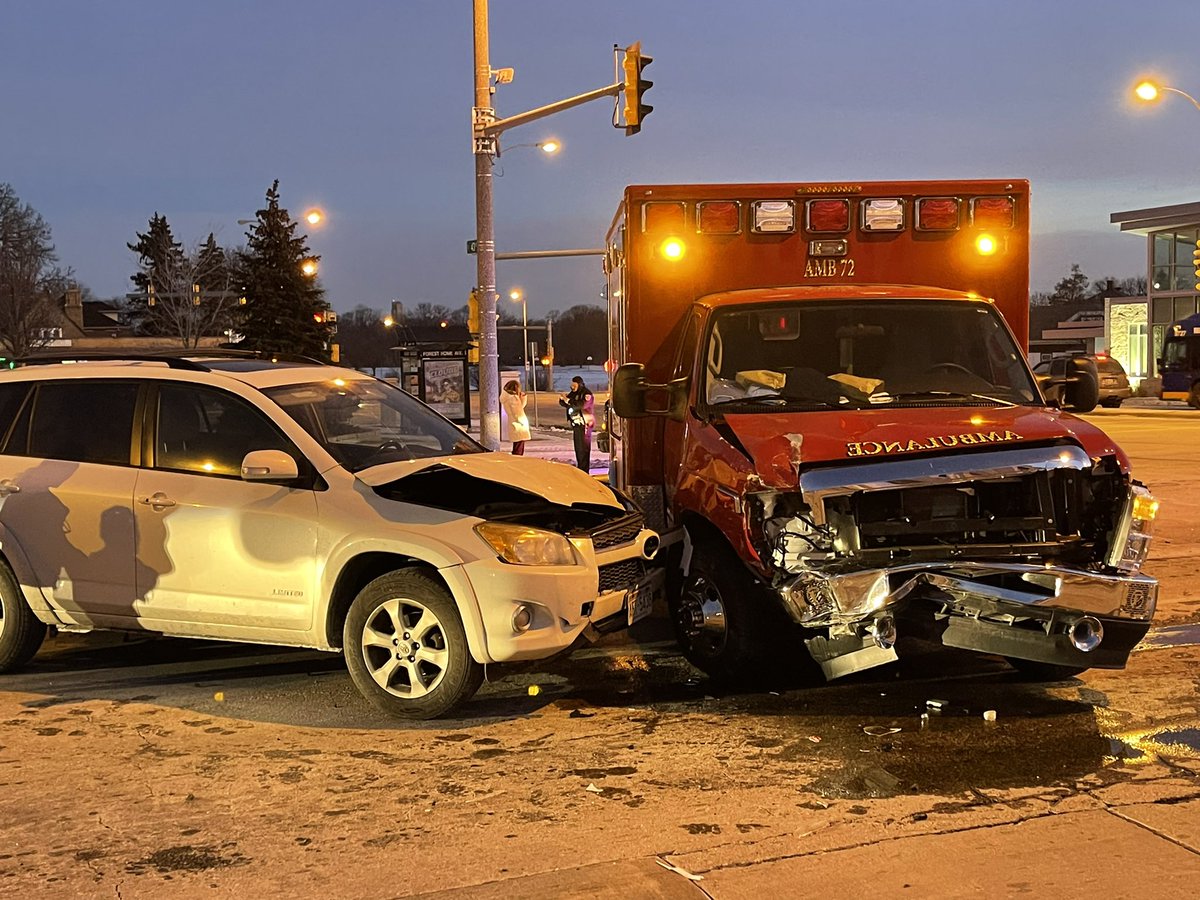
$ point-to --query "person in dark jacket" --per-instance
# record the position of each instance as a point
(580, 405)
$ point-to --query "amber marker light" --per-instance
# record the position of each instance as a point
(986, 245)
(1145, 508)
(672, 248)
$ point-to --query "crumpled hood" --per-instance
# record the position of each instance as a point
(556, 482)
(778, 442)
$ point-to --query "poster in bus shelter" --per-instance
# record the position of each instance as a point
(445, 387)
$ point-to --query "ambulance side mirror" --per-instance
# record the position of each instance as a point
(630, 390)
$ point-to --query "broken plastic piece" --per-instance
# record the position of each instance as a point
(592, 789)
(937, 704)
(989, 715)
(880, 730)
(814, 738)
(219, 696)
(534, 690)
(670, 867)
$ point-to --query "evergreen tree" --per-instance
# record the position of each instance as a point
(158, 252)
(214, 271)
(1072, 288)
(285, 309)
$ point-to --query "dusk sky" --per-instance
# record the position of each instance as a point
(112, 111)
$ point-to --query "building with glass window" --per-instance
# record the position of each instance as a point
(1171, 233)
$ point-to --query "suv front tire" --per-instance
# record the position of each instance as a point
(406, 648)
(21, 633)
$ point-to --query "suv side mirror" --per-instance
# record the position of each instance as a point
(269, 465)
(629, 390)
(1073, 384)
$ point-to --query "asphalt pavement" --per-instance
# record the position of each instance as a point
(1161, 833)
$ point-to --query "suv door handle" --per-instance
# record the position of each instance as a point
(8, 487)
(157, 501)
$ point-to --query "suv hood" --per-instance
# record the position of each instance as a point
(781, 443)
(561, 484)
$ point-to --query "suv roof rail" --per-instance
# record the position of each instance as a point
(172, 359)
(171, 362)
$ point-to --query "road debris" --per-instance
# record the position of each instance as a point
(989, 715)
(937, 704)
(671, 867)
(880, 730)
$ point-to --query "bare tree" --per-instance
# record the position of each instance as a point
(192, 294)
(30, 280)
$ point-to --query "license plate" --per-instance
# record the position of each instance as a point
(638, 603)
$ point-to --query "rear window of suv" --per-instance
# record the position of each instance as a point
(77, 421)
(1109, 366)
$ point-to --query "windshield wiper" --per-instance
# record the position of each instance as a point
(778, 400)
(938, 395)
(769, 399)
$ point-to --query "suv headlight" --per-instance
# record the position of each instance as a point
(1131, 537)
(525, 546)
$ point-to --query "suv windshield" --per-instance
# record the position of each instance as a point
(367, 423)
(841, 353)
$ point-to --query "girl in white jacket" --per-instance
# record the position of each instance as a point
(512, 401)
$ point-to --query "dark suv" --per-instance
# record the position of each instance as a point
(1114, 384)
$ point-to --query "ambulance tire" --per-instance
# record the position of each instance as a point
(727, 623)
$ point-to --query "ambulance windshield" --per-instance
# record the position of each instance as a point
(859, 353)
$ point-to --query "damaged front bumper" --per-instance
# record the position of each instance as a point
(1040, 613)
(534, 612)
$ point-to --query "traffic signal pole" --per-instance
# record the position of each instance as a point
(486, 130)
(485, 261)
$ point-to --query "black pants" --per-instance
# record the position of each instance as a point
(583, 447)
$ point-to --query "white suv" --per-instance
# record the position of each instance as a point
(292, 503)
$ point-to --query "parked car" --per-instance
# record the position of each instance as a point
(278, 502)
(1114, 383)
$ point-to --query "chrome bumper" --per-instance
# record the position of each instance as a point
(817, 599)
(1029, 612)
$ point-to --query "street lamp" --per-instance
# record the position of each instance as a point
(314, 216)
(550, 146)
(309, 268)
(1148, 91)
(515, 295)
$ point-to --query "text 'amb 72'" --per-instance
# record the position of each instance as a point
(822, 400)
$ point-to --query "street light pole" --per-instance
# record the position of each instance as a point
(485, 131)
(485, 260)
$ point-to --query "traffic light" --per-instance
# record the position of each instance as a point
(1196, 264)
(635, 87)
(473, 326)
